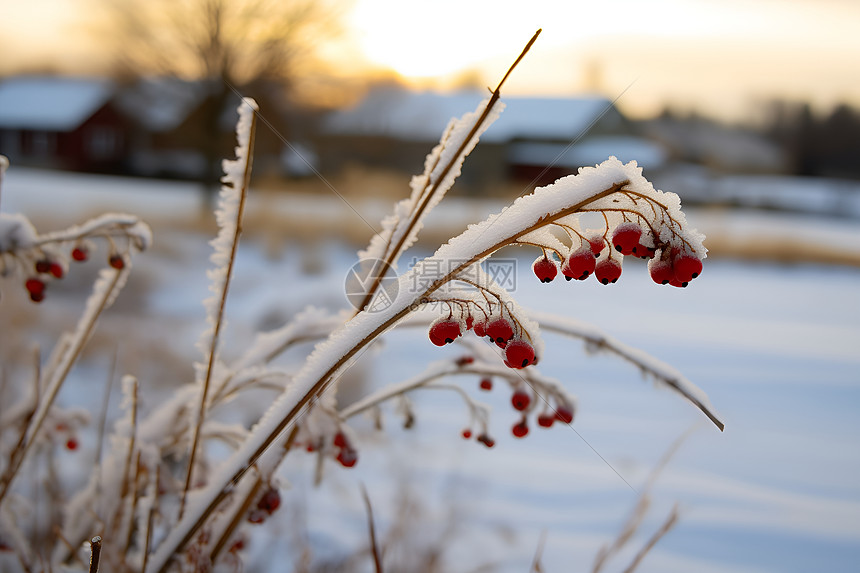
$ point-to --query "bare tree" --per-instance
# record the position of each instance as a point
(229, 45)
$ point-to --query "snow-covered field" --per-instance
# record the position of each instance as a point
(777, 349)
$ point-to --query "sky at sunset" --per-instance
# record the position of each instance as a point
(719, 57)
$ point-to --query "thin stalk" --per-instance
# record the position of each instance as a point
(65, 365)
(431, 190)
(658, 535)
(374, 546)
(135, 497)
(237, 518)
(219, 319)
(150, 519)
(95, 553)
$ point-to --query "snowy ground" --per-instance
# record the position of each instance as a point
(775, 347)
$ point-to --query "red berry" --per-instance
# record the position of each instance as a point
(43, 266)
(470, 322)
(607, 271)
(270, 501)
(579, 265)
(79, 254)
(480, 329)
(545, 420)
(486, 384)
(467, 433)
(464, 360)
(310, 448)
(444, 331)
(116, 261)
(71, 444)
(676, 283)
(519, 354)
(238, 545)
(596, 243)
(520, 429)
(500, 330)
(340, 440)
(521, 400)
(34, 287)
(625, 238)
(687, 267)
(564, 414)
(347, 457)
(661, 271)
(644, 251)
(544, 269)
(486, 440)
(57, 270)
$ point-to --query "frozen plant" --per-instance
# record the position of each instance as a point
(33, 424)
(161, 501)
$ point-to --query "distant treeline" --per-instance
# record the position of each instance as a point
(824, 145)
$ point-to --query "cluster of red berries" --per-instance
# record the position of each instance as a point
(521, 400)
(35, 285)
(518, 352)
(268, 503)
(46, 267)
(675, 266)
(347, 456)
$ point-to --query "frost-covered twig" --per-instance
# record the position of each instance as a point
(105, 290)
(4, 164)
(670, 522)
(231, 207)
(661, 372)
(441, 168)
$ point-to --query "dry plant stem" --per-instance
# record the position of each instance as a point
(65, 365)
(658, 535)
(627, 353)
(536, 564)
(219, 320)
(222, 495)
(95, 553)
(135, 498)
(150, 520)
(431, 189)
(630, 527)
(322, 382)
(374, 546)
(237, 518)
(374, 400)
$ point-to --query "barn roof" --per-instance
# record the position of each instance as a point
(422, 116)
(50, 103)
(590, 151)
(162, 103)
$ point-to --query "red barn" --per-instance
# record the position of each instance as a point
(61, 123)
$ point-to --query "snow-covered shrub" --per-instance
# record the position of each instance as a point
(159, 501)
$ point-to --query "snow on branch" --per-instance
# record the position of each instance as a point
(591, 188)
(231, 205)
(663, 373)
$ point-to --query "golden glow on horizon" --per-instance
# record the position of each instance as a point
(716, 56)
